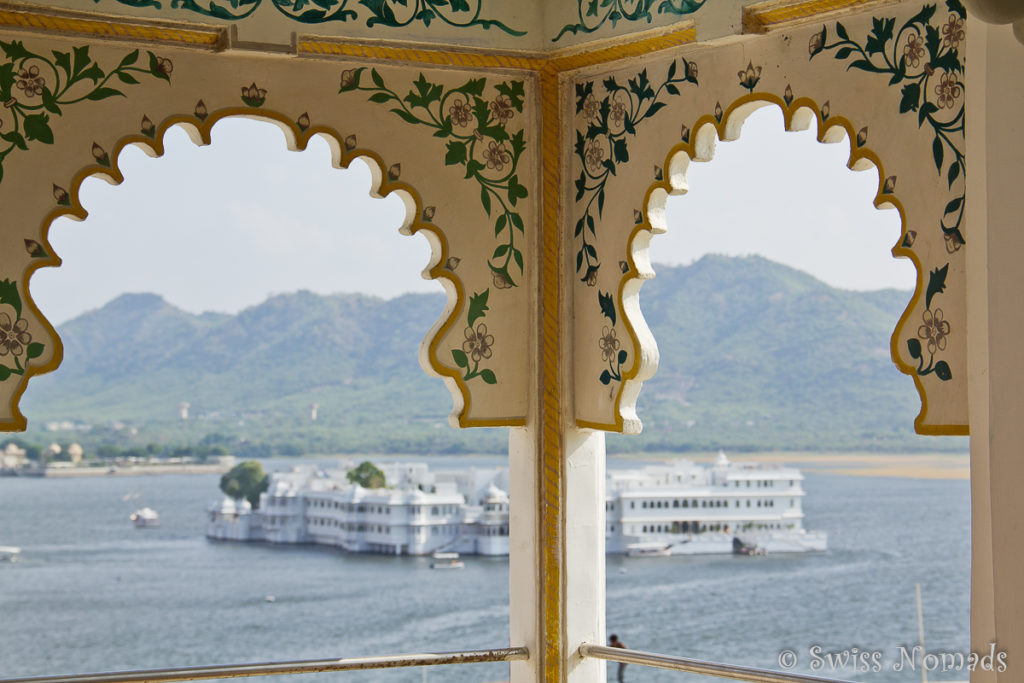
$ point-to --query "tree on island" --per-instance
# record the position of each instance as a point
(245, 480)
(367, 475)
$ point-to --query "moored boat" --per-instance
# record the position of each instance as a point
(145, 517)
(446, 561)
(9, 553)
(649, 549)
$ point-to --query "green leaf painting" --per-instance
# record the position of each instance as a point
(35, 88)
(16, 343)
(476, 124)
(609, 343)
(923, 58)
(611, 112)
(395, 13)
(933, 331)
(479, 344)
(593, 14)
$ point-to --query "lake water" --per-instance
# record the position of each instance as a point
(95, 594)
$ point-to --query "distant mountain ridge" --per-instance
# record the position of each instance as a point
(753, 355)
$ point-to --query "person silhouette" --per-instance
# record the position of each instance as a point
(613, 641)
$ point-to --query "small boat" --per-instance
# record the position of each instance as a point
(741, 548)
(145, 517)
(9, 553)
(649, 549)
(446, 561)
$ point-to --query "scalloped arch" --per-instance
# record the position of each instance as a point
(726, 124)
(343, 151)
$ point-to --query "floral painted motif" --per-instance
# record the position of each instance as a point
(34, 87)
(933, 331)
(603, 143)
(253, 95)
(593, 14)
(479, 344)
(398, 13)
(750, 76)
(609, 342)
(16, 345)
(479, 140)
(923, 57)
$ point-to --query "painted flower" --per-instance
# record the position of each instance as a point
(164, 66)
(478, 343)
(953, 242)
(13, 336)
(934, 330)
(30, 82)
(461, 112)
(750, 76)
(590, 107)
(953, 31)
(594, 155)
(914, 49)
(254, 96)
(501, 108)
(497, 156)
(348, 78)
(500, 280)
(618, 112)
(948, 90)
(691, 71)
(591, 278)
(608, 343)
(816, 43)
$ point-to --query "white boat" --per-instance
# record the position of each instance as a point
(649, 549)
(145, 517)
(9, 553)
(446, 561)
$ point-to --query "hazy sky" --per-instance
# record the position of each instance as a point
(221, 227)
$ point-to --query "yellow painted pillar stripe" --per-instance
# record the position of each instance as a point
(551, 534)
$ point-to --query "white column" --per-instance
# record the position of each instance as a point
(582, 612)
(995, 244)
(584, 552)
(524, 558)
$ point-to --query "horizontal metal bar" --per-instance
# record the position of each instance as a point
(697, 666)
(307, 666)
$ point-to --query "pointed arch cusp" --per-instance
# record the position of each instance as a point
(798, 114)
(297, 133)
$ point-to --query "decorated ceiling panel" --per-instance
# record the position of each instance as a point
(891, 83)
(455, 145)
(494, 24)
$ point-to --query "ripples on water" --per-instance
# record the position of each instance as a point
(95, 594)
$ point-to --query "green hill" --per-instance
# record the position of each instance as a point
(754, 355)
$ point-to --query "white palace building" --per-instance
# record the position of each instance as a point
(676, 508)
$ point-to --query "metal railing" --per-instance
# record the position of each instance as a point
(696, 666)
(307, 666)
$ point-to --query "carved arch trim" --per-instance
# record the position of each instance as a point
(298, 133)
(698, 145)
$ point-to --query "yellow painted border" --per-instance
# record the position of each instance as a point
(202, 128)
(550, 478)
(769, 16)
(882, 199)
(555, 63)
(90, 25)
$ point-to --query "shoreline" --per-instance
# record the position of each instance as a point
(910, 466)
(950, 466)
(126, 471)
